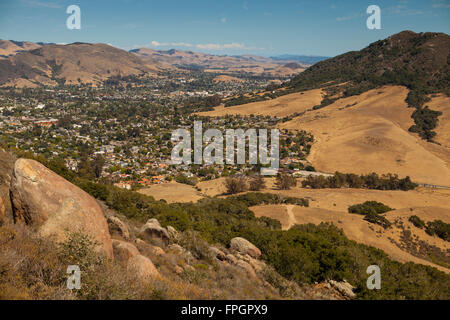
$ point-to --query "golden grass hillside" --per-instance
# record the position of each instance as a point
(369, 133)
(331, 205)
(355, 228)
(279, 107)
(172, 192)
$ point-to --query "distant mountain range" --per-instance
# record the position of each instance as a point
(28, 64)
(306, 60)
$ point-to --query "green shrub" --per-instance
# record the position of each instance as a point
(369, 207)
(417, 222)
(377, 219)
(438, 228)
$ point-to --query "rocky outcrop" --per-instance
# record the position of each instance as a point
(173, 233)
(116, 226)
(244, 246)
(142, 267)
(2, 212)
(217, 253)
(124, 251)
(182, 252)
(153, 230)
(54, 206)
(6, 169)
(136, 264)
(343, 287)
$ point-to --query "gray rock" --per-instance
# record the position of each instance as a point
(153, 230)
(343, 287)
(116, 226)
(244, 246)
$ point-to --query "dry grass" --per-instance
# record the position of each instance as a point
(279, 107)
(369, 133)
(172, 192)
(330, 205)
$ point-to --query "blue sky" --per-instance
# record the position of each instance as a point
(263, 27)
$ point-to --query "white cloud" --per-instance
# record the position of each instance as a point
(200, 46)
(182, 44)
(159, 44)
(36, 3)
(216, 46)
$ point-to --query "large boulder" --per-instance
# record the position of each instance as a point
(54, 206)
(142, 267)
(2, 212)
(116, 226)
(153, 230)
(124, 251)
(6, 169)
(244, 246)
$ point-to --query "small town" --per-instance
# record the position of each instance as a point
(123, 135)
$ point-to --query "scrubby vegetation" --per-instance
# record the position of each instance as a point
(371, 211)
(377, 219)
(417, 222)
(285, 181)
(438, 228)
(369, 207)
(304, 254)
(35, 268)
(192, 181)
(256, 183)
(425, 121)
(371, 181)
(433, 228)
(236, 184)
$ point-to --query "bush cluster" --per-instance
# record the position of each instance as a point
(371, 181)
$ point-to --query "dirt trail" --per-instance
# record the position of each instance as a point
(291, 217)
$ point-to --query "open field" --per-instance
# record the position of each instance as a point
(172, 192)
(226, 78)
(279, 107)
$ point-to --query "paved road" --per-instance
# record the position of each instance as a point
(426, 185)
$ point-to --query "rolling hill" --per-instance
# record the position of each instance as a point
(28, 64)
(11, 47)
(419, 61)
(416, 60)
(225, 64)
(381, 107)
(71, 64)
